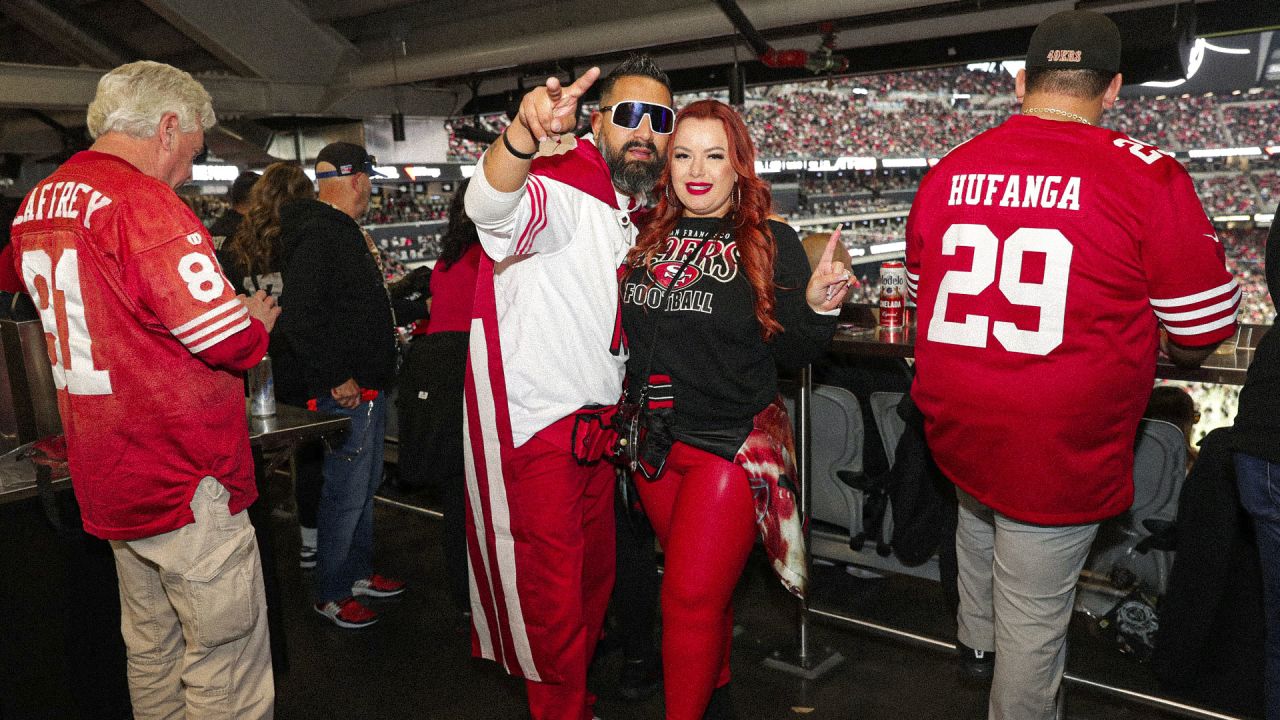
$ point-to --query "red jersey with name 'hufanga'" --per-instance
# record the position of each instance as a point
(1043, 257)
(146, 338)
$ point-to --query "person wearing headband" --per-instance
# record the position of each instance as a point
(336, 353)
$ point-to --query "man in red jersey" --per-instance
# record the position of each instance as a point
(147, 340)
(1045, 255)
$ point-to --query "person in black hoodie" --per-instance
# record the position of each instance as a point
(338, 356)
(1257, 459)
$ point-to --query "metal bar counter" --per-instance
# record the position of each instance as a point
(289, 426)
(858, 336)
(18, 476)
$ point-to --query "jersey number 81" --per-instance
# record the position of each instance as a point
(58, 297)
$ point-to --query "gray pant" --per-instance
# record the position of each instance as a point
(194, 618)
(1017, 584)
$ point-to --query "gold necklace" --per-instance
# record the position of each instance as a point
(1056, 111)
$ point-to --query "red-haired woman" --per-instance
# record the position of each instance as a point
(708, 350)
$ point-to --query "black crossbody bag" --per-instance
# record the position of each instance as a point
(627, 433)
(643, 436)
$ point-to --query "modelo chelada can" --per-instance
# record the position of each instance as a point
(893, 294)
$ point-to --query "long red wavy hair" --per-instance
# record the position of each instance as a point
(749, 217)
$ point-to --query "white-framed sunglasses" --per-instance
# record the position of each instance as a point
(630, 113)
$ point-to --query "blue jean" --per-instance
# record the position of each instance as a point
(1259, 483)
(352, 474)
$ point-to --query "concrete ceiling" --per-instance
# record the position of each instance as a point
(364, 58)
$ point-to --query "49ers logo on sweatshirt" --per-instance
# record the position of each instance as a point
(663, 272)
(717, 260)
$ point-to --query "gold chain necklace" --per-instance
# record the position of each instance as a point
(1056, 111)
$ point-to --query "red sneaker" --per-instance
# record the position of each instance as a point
(378, 586)
(347, 613)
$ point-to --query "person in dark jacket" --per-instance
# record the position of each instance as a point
(1257, 459)
(430, 385)
(224, 228)
(339, 344)
(250, 255)
(251, 258)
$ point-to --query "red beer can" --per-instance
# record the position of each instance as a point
(893, 294)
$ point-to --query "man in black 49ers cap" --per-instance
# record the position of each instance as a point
(1046, 255)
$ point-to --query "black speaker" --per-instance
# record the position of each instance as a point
(1156, 42)
(397, 127)
(737, 86)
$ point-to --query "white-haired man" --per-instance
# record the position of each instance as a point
(147, 339)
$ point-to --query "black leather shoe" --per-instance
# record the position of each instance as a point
(640, 680)
(976, 664)
(721, 705)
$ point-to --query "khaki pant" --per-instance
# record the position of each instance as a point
(194, 617)
(1017, 584)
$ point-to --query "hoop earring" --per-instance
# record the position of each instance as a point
(671, 199)
(737, 195)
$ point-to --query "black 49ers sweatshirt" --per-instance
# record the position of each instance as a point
(708, 340)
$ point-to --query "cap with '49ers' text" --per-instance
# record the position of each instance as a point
(1075, 40)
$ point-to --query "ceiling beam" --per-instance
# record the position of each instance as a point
(48, 88)
(63, 33)
(270, 39)
(328, 10)
(609, 35)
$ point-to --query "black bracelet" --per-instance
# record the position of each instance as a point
(512, 149)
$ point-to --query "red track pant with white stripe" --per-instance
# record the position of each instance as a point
(563, 523)
(702, 511)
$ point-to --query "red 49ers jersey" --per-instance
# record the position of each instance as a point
(1043, 256)
(146, 338)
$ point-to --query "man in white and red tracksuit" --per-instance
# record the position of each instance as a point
(546, 343)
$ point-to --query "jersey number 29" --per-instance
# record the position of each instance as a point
(1049, 295)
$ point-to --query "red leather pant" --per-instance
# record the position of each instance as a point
(702, 512)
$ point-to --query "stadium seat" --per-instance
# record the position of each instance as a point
(837, 435)
(884, 408)
(1125, 552)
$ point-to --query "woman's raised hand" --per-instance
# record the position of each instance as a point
(829, 284)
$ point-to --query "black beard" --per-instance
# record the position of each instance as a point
(633, 177)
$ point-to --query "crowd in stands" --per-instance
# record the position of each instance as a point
(842, 206)
(1268, 184)
(1253, 123)
(1169, 122)
(395, 206)
(409, 248)
(858, 182)
(927, 112)
(802, 124)
(1244, 248)
(1231, 193)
